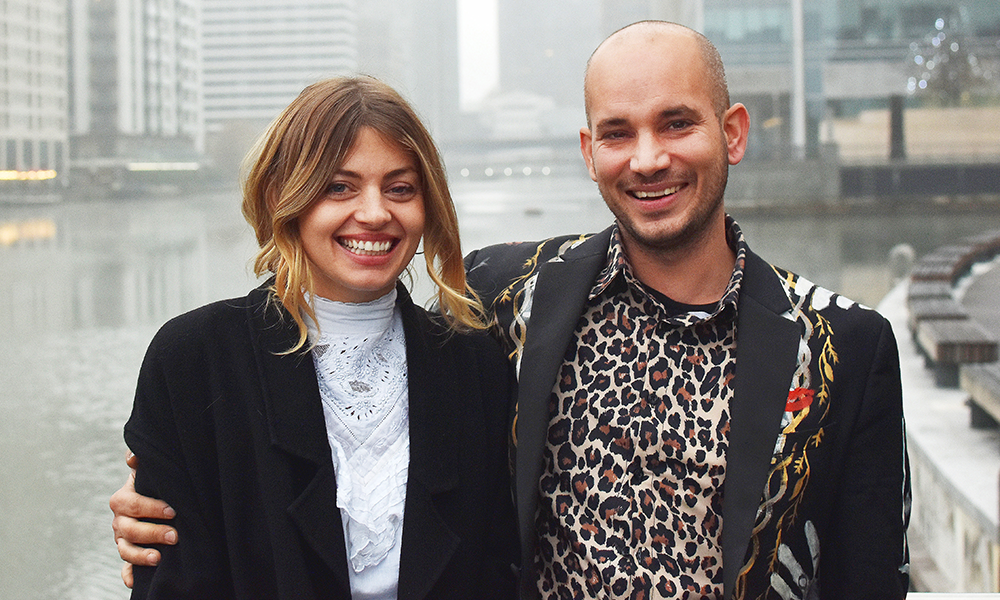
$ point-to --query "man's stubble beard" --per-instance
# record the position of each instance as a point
(694, 229)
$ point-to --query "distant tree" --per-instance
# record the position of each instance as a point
(944, 67)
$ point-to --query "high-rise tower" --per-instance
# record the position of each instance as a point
(33, 103)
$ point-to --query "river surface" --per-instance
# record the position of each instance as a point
(85, 284)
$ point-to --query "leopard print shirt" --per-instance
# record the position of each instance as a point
(635, 461)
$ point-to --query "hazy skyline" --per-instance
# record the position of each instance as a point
(478, 63)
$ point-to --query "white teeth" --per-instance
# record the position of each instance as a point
(660, 194)
(367, 248)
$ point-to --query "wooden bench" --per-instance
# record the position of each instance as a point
(947, 263)
(941, 327)
(922, 309)
(948, 343)
(933, 270)
(982, 381)
(928, 289)
(985, 245)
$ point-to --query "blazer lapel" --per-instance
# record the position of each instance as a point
(766, 350)
(560, 295)
(428, 544)
(296, 425)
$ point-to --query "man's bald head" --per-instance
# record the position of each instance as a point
(647, 36)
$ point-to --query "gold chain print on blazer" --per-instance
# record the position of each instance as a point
(802, 433)
(515, 300)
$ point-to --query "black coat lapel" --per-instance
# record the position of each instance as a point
(560, 296)
(766, 350)
(433, 454)
(296, 426)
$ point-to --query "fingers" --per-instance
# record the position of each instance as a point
(131, 460)
(138, 532)
(127, 575)
(126, 502)
(136, 555)
(131, 533)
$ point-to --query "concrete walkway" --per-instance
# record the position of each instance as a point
(955, 469)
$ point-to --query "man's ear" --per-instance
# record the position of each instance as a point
(587, 149)
(736, 125)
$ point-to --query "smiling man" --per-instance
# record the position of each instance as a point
(691, 422)
(659, 140)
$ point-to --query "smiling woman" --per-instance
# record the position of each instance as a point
(327, 148)
(364, 229)
(324, 437)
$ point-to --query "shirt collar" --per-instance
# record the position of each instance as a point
(617, 268)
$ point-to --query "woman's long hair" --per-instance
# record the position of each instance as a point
(293, 162)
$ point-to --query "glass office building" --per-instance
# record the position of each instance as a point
(853, 55)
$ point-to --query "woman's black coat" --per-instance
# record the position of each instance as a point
(231, 434)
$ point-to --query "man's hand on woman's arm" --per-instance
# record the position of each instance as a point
(130, 531)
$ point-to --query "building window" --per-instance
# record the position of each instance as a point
(11, 155)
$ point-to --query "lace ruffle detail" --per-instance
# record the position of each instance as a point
(371, 494)
(360, 361)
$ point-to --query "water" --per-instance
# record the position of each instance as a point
(85, 284)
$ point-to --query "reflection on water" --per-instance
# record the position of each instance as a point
(78, 306)
(84, 285)
(64, 396)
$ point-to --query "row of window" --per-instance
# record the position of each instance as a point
(178, 9)
(31, 155)
(30, 33)
(305, 58)
(281, 13)
(27, 102)
(23, 54)
(159, 27)
(10, 120)
(241, 39)
(35, 10)
(13, 75)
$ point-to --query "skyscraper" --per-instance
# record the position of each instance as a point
(413, 46)
(541, 53)
(135, 80)
(33, 104)
(259, 54)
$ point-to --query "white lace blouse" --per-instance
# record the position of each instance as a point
(360, 358)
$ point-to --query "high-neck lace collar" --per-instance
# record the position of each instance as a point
(348, 318)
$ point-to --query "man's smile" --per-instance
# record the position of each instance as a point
(655, 194)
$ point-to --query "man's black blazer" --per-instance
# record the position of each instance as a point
(816, 498)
